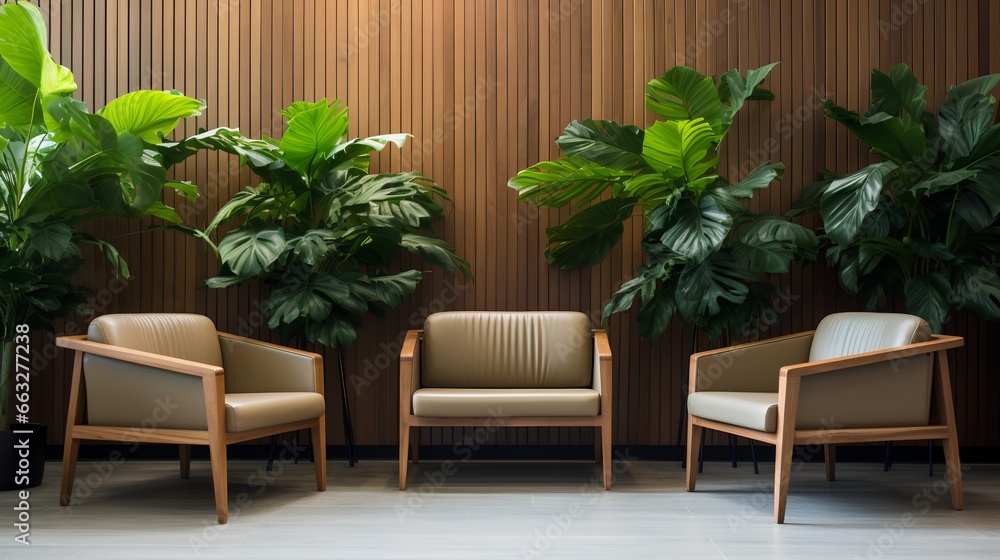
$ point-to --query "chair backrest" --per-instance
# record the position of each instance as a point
(884, 394)
(178, 335)
(486, 349)
(125, 394)
(844, 334)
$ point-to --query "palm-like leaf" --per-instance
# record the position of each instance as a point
(320, 228)
(684, 94)
(670, 170)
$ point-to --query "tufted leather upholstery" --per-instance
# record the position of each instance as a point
(499, 350)
(178, 335)
(844, 334)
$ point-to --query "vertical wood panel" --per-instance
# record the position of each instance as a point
(485, 86)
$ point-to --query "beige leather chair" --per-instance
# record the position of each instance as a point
(859, 377)
(172, 378)
(505, 370)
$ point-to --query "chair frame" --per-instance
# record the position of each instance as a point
(215, 436)
(408, 421)
(786, 436)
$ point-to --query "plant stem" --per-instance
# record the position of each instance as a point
(951, 215)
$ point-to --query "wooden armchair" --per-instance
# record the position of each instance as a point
(859, 377)
(172, 378)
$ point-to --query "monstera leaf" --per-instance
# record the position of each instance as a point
(913, 229)
(320, 228)
(697, 229)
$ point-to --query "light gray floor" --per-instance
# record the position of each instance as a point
(141, 509)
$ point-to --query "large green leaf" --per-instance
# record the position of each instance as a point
(928, 296)
(569, 179)
(642, 285)
(250, 252)
(886, 134)
(850, 199)
(739, 89)
(759, 178)
(937, 182)
(605, 143)
(587, 237)
(962, 122)
(698, 229)
(682, 149)
(702, 288)
(24, 50)
(898, 91)
(48, 240)
(19, 105)
(149, 114)
(655, 314)
(314, 130)
(981, 85)
(434, 250)
(977, 289)
(684, 94)
(392, 289)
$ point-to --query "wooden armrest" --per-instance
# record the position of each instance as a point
(81, 344)
(409, 372)
(271, 345)
(937, 343)
(602, 361)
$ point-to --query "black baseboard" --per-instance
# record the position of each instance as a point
(765, 453)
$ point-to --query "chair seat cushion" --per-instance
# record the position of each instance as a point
(484, 403)
(757, 411)
(249, 411)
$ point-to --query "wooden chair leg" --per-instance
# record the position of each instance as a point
(946, 413)
(606, 454)
(215, 411)
(694, 435)
(954, 468)
(830, 458)
(317, 436)
(70, 451)
(74, 416)
(185, 460)
(404, 450)
(415, 442)
(788, 402)
(782, 474)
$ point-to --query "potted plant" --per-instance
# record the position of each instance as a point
(61, 166)
(920, 227)
(321, 230)
(707, 254)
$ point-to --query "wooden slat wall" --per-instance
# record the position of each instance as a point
(485, 86)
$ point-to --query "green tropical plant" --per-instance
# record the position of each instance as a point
(321, 229)
(61, 166)
(707, 254)
(921, 224)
